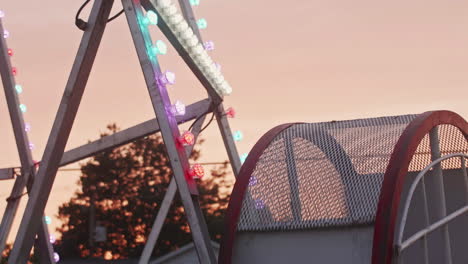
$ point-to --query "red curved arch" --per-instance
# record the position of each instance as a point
(397, 169)
(235, 204)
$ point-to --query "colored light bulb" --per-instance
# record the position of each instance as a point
(18, 88)
(10, 52)
(197, 171)
(6, 33)
(230, 112)
(14, 71)
(237, 135)
(56, 257)
(31, 146)
(52, 239)
(209, 45)
(47, 219)
(23, 108)
(187, 139)
(159, 48)
(178, 108)
(167, 77)
(164, 3)
(201, 23)
(2, 14)
(252, 181)
(27, 127)
(151, 18)
(194, 2)
(36, 164)
(259, 204)
(243, 157)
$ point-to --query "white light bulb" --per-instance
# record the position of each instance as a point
(181, 26)
(2, 14)
(164, 3)
(192, 41)
(170, 10)
(197, 50)
(186, 34)
(175, 19)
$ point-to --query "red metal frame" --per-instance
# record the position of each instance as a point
(242, 181)
(397, 169)
(390, 194)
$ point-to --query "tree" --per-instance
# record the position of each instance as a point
(124, 188)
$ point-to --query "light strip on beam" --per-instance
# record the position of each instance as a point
(176, 22)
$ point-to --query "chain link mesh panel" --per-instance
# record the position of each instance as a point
(321, 174)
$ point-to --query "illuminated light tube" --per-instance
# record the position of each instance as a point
(201, 23)
(175, 19)
(197, 171)
(194, 2)
(243, 157)
(23, 108)
(27, 127)
(167, 77)
(159, 48)
(259, 204)
(237, 135)
(230, 112)
(252, 181)
(178, 108)
(186, 139)
(151, 18)
(185, 36)
(209, 45)
(181, 27)
(18, 88)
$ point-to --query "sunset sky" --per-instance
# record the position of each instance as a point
(302, 60)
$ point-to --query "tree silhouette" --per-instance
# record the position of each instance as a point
(126, 186)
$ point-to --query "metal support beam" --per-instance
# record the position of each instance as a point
(27, 164)
(217, 99)
(60, 131)
(125, 136)
(170, 132)
(7, 173)
(436, 181)
(166, 204)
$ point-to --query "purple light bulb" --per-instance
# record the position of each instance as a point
(52, 239)
(6, 33)
(259, 204)
(208, 45)
(27, 127)
(31, 146)
(252, 181)
(167, 77)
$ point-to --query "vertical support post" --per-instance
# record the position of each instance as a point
(27, 164)
(170, 132)
(293, 180)
(165, 205)
(465, 177)
(437, 183)
(60, 131)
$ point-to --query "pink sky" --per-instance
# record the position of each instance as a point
(287, 61)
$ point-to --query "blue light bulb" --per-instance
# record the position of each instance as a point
(237, 136)
(201, 23)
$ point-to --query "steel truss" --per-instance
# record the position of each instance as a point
(55, 156)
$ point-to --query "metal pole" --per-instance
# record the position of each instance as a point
(27, 164)
(60, 131)
(437, 182)
(170, 132)
(165, 205)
